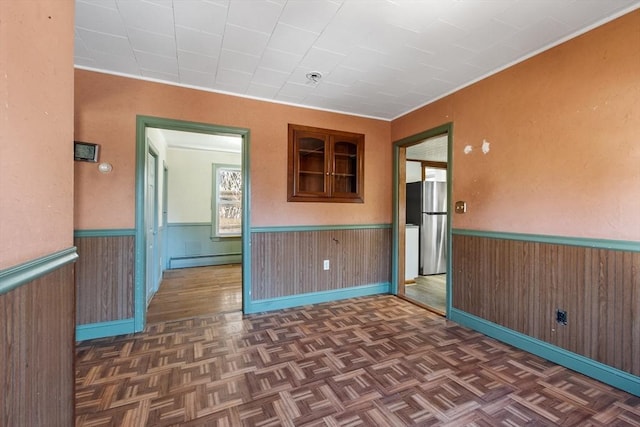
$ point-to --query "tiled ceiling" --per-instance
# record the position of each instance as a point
(377, 58)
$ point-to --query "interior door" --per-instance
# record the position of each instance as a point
(151, 221)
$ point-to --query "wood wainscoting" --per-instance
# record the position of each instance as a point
(520, 284)
(104, 277)
(37, 349)
(286, 263)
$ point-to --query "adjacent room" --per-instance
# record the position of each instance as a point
(320, 212)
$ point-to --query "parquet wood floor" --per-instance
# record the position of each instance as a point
(371, 361)
(189, 292)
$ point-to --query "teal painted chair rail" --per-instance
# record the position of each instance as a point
(619, 245)
(21, 274)
(112, 232)
(292, 228)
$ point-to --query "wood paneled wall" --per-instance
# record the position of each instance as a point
(520, 285)
(104, 278)
(291, 263)
(37, 351)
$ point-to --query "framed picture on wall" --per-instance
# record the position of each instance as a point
(85, 151)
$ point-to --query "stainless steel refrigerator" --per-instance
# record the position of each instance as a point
(427, 207)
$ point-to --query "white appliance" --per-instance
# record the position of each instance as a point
(412, 252)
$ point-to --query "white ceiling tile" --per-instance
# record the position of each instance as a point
(486, 36)
(244, 40)
(363, 59)
(197, 62)
(159, 75)
(108, 4)
(291, 39)
(255, 15)
(527, 12)
(416, 15)
(262, 91)
(151, 42)
(157, 63)
(471, 14)
(198, 42)
(196, 78)
(310, 15)
(99, 18)
(238, 61)
(581, 13)
(79, 48)
(233, 78)
(280, 61)
(345, 75)
(105, 43)
(458, 73)
(202, 16)
(125, 63)
(494, 57)
(295, 91)
(538, 35)
(321, 60)
(268, 77)
(328, 89)
(86, 62)
(152, 17)
(388, 38)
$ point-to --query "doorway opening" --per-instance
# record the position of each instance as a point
(189, 256)
(423, 181)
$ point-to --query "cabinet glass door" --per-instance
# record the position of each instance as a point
(345, 169)
(311, 165)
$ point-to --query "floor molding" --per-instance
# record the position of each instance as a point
(104, 329)
(606, 374)
(316, 297)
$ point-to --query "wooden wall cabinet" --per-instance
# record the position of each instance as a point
(325, 165)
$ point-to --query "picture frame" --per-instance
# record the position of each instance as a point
(85, 151)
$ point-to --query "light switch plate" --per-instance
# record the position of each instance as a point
(461, 207)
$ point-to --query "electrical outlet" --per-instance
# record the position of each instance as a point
(561, 317)
(325, 265)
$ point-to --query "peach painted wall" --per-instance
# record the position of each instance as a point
(105, 112)
(36, 130)
(564, 140)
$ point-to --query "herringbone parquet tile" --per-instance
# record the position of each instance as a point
(373, 361)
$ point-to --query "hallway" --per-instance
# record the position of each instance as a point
(197, 291)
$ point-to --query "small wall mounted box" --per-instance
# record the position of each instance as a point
(461, 207)
(85, 151)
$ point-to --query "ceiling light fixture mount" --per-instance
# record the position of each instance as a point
(314, 77)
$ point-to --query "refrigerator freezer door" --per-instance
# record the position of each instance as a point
(435, 197)
(434, 243)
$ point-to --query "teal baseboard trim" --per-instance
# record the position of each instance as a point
(293, 228)
(105, 329)
(21, 274)
(618, 245)
(203, 261)
(599, 371)
(115, 232)
(289, 301)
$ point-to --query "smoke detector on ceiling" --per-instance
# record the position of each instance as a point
(314, 77)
